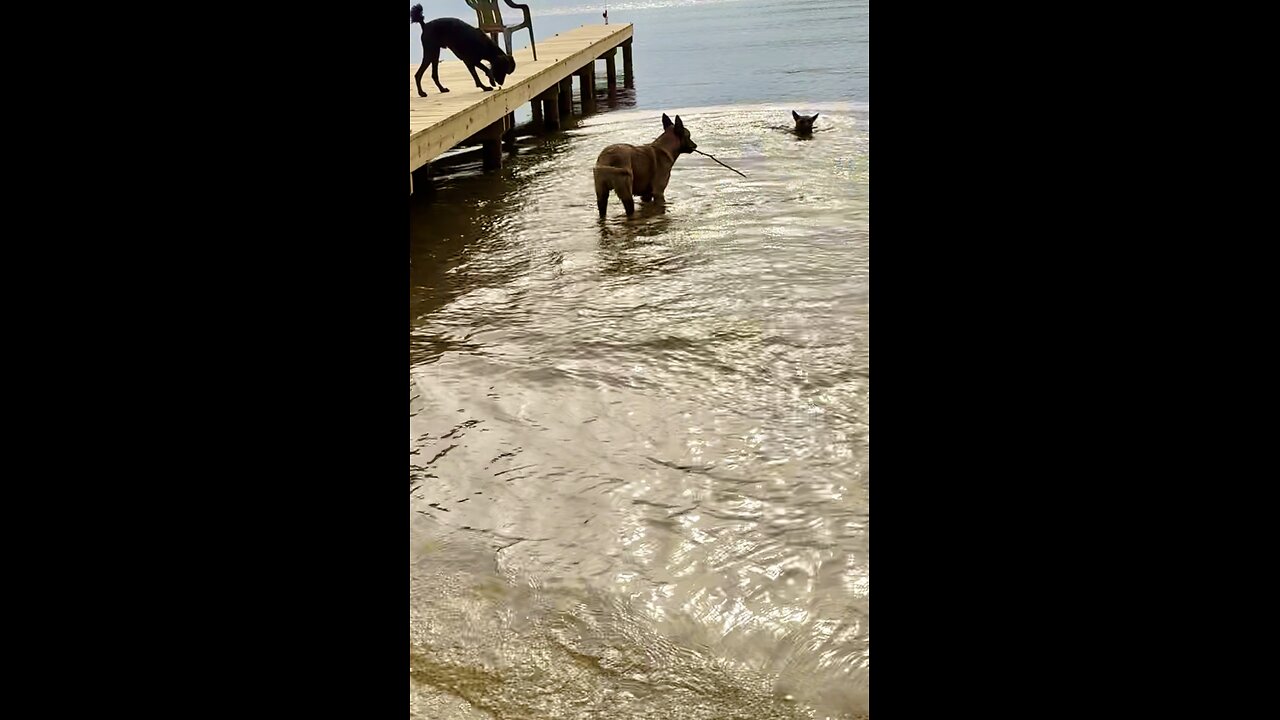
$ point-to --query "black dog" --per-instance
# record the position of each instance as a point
(468, 43)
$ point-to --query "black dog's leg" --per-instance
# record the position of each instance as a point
(475, 77)
(417, 78)
(435, 72)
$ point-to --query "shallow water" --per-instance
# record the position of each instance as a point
(638, 448)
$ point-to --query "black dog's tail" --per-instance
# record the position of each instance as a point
(415, 14)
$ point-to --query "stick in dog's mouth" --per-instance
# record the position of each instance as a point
(713, 157)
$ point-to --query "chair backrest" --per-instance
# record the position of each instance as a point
(487, 13)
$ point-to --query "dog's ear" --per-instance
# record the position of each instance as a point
(679, 123)
(815, 117)
(795, 115)
(666, 122)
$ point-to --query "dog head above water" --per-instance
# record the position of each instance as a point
(679, 131)
(804, 125)
(502, 67)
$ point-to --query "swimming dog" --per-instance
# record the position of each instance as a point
(804, 125)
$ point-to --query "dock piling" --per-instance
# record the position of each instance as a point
(551, 107)
(587, 87)
(491, 139)
(509, 136)
(566, 97)
(627, 75)
(611, 73)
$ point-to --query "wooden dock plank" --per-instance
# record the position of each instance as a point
(440, 121)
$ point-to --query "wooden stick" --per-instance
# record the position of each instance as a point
(714, 158)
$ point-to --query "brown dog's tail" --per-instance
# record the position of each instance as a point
(610, 169)
(608, 178)
(415, 14)
(617, 179)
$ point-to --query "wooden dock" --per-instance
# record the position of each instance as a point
(440, 121)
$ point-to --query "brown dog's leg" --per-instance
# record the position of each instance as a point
(602, 191)
(660, 188)
(623, 188)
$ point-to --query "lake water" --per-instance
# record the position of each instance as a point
(639, 448)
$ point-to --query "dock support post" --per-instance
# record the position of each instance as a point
(628, 79)
(566, 97)
(611, 73)
(537, 115)
(592, 86)
(587, 87)
(551, 106)
(421, 185)
(509, 133)
(491, 139)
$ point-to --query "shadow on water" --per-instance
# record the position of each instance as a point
(462, 216)
(446, 225)
(459, 211)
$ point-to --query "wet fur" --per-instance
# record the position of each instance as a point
(644, 170)
(804, 125)
(467, 42)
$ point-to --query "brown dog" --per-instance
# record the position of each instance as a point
(642, 170)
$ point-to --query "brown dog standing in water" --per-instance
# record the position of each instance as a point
(642, 170)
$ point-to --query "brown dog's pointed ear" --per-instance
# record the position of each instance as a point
(795, 115)
(666, 122)
(679, 123)
(815, 117)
